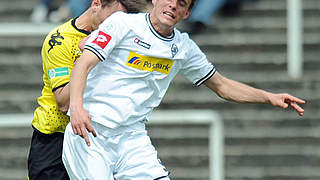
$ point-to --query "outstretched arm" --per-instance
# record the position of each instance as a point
(80, 119)
(235, 91)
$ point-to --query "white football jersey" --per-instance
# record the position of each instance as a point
(136, 67)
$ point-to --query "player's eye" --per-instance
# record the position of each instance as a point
(182, 3)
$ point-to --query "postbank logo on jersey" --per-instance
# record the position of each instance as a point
(148, 63)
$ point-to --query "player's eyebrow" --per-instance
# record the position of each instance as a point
(183, 1)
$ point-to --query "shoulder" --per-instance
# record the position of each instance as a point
(121, 17)
(59, 33)
(62, 28)
(123, 21)
(185, 38)
(58, 39)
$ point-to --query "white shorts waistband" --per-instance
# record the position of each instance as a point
(107, 132)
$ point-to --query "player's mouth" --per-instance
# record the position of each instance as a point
(169, 14)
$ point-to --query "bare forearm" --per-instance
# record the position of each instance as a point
(242, 93)
(78, 78)
(77, 85)
(235, 91)
(62, 96)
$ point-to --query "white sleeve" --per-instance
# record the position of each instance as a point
(107, 36)
(196, 67)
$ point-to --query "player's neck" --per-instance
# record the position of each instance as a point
(161, 29)
(84, 21)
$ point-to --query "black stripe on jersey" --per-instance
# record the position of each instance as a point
(73, 23)
(206, 77)
(155, 32)
(63, 85)
(94, 51)
(160, 177)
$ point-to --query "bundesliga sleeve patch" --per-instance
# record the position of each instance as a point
(58, 72)
(102, 40)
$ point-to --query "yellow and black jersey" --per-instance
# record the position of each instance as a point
(59, 53)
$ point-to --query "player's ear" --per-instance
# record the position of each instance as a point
(95, 5)
(187, 14)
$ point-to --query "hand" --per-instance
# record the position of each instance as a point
(82, 43)
(284, 100)
(81, 123)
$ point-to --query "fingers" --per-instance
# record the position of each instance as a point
(74, 130)
(295, 99)
(83, 129)
(91, 130)
(299, 110)
(85, 135)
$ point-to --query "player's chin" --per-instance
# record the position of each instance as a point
(169, 22)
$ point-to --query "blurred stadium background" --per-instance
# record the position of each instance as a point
(261, 142)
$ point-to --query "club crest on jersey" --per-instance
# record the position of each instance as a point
(148, 63)
(141, 43)
(174, 50)
(102, 40)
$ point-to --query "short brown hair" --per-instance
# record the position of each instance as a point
(132, 6)
(192, 4)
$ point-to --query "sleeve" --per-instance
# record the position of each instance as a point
(107, 36)
(196, 67)
(57, 63)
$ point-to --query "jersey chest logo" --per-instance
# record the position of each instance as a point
(54, 40)
(150, 64)
(141, 43)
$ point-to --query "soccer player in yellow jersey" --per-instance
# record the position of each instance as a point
(60, 51)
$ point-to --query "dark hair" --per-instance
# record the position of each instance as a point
(132, 6)
(192, 4)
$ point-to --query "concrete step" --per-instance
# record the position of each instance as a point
(276, 5)
(257, 58)
(273, 173)
(272, 149)
(14, 44)
(15, 136)
(14, 157)
(21, 75)
(259, 24)
(18, 101)
(276, 8)
(20, 10)
(188, 151)
(250, 38)
(274, 117)
(13, 174)
(258, 130)
(15, 10)
(178, 173)
(272, 161)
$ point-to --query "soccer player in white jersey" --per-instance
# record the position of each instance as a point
(121, 76)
